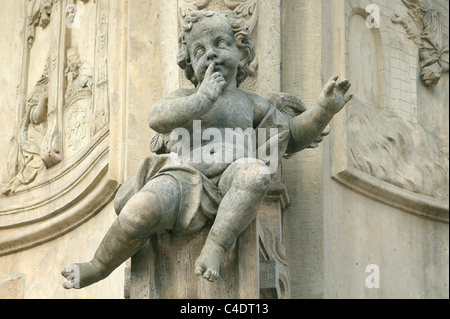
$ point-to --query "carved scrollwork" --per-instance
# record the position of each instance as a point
(78, 96)
(247, 10)
(39, 15)
(75, 129)
(424, 26)
(186, 6)
(274, 273)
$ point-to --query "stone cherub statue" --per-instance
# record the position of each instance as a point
(182, 196)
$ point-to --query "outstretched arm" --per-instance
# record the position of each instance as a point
(306, 127)
(179, 110)
(39, 114)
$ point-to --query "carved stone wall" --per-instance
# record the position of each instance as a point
(60, 144)
(389, 197)
(163, 268)
(58, 172)
(390, 153)
(76, 86)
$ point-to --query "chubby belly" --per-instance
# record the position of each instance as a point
(212, 158)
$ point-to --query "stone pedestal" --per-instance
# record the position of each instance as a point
(254, 268)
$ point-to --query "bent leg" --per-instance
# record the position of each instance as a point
(245, 185)
(154, 208)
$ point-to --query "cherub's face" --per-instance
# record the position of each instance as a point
(212, 40)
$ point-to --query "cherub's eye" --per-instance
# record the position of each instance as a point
(223, 44)
(199, 51)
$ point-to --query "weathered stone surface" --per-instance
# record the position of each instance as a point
(183, 193)
(374, 193)
(11, 288)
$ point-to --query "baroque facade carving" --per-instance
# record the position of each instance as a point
(61, 140)
(39, 15)
(247, 10)
(78, 75)
(27, 154)
(396, 151)
(424, 27)
(86, 74)
(388, 153)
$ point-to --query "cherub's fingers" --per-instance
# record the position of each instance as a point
(343, 86)
(210, 70)
(347, 86)
(343, 83)
(329, 87)
(348, 97)
(331, 84)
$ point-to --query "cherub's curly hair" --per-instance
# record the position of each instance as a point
(241, 35)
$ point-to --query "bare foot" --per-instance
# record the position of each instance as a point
(208, 263)
(11, 187)
(83, 274)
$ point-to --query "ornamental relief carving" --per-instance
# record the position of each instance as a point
(61, 141)
(39, 15)
(26, 157)
(424, 26)
(246, 10)
(385, 151)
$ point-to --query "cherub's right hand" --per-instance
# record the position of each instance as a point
(212, 84)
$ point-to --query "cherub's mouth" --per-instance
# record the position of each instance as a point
(217, 66)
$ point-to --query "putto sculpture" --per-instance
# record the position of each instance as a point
(180, 192)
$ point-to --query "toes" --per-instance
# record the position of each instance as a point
(211, 275)
(72, 275)
(326, 131)
(68, 285)
(207, 274)
(199, 271)
(214, 276)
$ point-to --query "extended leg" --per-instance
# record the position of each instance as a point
(152, 209)
(246, 184)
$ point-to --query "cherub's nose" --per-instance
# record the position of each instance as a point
(211, 55)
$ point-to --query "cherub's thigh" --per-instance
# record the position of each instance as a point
(243, 172)
(155, 206)
(166, 189)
